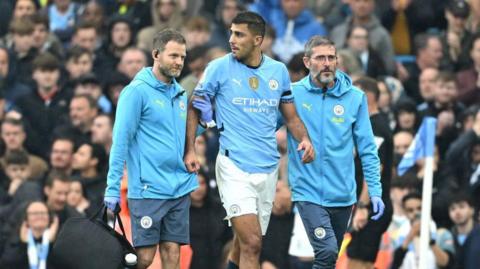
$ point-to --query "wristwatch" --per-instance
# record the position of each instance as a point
(361, 204)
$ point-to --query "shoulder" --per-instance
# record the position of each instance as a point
(274, 64)
(356, 92)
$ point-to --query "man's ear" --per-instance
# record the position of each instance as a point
(258, 40)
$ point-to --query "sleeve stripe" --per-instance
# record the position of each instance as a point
(285, 93)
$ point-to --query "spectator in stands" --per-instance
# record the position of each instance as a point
(13, 135)
(469, 80)
(470, 259)
(165, 14)
(464, 157)
(441, 251)
(76, 198)
(12, 88)
(63, 15)
(43, 39)
(31, 246)
(429, 53)
(79, 61)
(21, 46)
(427, 83)
(101, 131)
(405, 19)
(406, 116)
(267, 43)
(89, 84)
(294, 24)
(379, 39)
(208, 232)
(93, 12)
(85, 35)
(132, 60)
(461, 213)
(114, 84)
(119, 37)
(56, 190)
(473, 22)
(83, 109)
(24, 8)
(456, 38)
(370, 61)
(89, 166)
(62, 154)
(196, 62)
(43, 108)
(137, 10)
(296, 68)
(197, 32)
(226, 11)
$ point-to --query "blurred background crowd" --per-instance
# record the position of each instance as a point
(63, 64)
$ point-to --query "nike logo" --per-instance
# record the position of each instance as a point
(160, 102)
(309, 107)
(237, 81)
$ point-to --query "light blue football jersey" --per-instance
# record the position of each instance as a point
(247, 103)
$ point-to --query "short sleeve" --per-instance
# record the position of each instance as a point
(209, 82)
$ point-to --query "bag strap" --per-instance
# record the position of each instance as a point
(117, 217)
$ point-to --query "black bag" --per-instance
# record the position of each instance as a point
(90, 243)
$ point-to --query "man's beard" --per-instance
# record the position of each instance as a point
(169, 73)
(323, 79)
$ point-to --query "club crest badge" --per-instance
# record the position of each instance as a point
(319, 232)
(146, 222)
(273, 84)
(338, 110)
(235, 209)
(181, 104)
(253, 82)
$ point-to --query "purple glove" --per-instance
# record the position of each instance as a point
(378, 207)
(112, 202)
(205, 106)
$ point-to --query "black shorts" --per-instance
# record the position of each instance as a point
(365, 243)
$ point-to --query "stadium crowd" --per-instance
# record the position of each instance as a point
(64, 63)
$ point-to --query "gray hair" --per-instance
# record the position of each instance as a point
(316, 41)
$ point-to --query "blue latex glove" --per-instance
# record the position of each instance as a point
(112, 202)
(378, 207)
(205, 106)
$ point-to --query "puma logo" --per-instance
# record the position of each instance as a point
(160, 103)
(307, 106)
(237, 81)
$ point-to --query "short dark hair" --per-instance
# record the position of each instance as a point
(16, 157)
(368, 84)
(411, 195)
(40, 18)
(92, 103)
(46, 61)
(98, 152)
(420, 41)
(353, 27)
(14, 122)
(162, 38)
(82, 25)
(76, 52)
(446, 76)
(460, 198)
(22, 26)
(55, 175)
(316, 41)
(296, 63)
(255, 23)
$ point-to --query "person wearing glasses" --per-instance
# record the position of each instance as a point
(335, 114)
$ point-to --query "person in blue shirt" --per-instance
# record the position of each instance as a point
(249, 89)
(335, 114)
(149, 136)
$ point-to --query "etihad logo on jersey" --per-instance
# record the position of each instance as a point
(255, 105)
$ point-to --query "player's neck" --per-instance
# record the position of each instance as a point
(254, 60)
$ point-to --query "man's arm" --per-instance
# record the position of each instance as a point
(190, 158)
(297, 129)
(128, 114)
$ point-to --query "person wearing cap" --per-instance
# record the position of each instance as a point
(456, 37)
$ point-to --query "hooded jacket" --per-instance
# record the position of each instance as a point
(149, 135)
(337, 122)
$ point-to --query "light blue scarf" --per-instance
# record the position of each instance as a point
(37, 253)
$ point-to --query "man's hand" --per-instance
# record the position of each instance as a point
(378, 207)
(112, 203)
(308, 152)
(360, 218)
(203, 104)
(191, 162)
